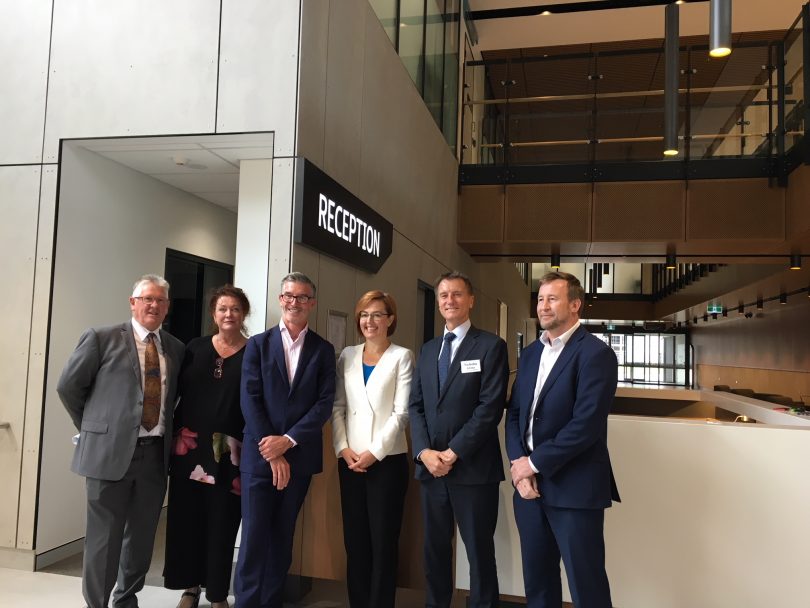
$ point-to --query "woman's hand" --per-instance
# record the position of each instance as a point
(350, 456)
(363, 462)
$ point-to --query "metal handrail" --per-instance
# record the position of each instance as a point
(622, 140)
(586, 96)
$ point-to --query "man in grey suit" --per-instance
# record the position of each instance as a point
(119, 388)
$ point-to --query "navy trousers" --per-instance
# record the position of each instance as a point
(576, 535)
(265, 549)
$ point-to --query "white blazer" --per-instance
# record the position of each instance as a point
(372, 416)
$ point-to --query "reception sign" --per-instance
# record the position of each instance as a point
(332, 220)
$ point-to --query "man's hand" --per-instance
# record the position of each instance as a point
(281, 472)
(363, 462)
(273, 446)
(527, 488)
(521, 469)
(434, 463)
(448, 456)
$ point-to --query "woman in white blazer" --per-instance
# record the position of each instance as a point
(368, 434)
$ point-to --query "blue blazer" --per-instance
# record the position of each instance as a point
(570, 426)
(273, 406)
(465, 416)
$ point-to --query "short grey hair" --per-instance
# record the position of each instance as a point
(155, 279)
(299, 277)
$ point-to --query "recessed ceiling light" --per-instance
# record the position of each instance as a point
(546, 13)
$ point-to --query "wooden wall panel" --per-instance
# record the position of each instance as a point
(480, 214)
(639, 211)
(735, 209)
(548, 212)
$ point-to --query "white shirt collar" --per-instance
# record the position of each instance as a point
(563, 338)
(460, 331)
(141, 332)
(284, 329)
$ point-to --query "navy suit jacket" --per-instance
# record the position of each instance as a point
(570, 426)
(465, 416)
(273, 406)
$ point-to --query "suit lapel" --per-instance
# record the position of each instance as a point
(430, 380)
(277, 351)
(527, 398)
(168, 357)
(564, 359)
(358, 372)
(466, 346)
(128, 336)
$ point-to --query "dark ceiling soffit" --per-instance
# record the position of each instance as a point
(573, 7)
(470, 175)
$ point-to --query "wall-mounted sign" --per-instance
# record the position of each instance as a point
(332, 220)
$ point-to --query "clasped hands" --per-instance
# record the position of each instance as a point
(272, 449)
(524, 479)
(359, 463)
(438, 463)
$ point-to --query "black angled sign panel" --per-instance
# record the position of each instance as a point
(334, 221)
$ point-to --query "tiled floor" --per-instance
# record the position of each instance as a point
(60, 586)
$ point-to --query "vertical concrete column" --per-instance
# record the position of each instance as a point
(253, 238)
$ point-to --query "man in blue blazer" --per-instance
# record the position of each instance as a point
(556, 439)
(458, 394)
(288, 388)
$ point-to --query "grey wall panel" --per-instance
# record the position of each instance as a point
(36, 359)
(259, 69)
(25, 29)
(315, 27)
(132, 67)
(18, 239)
(344, 91)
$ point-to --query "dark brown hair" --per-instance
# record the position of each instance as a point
(575, 291)
(229, 291)
(388, 301)
(452, 276)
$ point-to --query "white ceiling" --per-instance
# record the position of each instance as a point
(206, 166)
(621, 24)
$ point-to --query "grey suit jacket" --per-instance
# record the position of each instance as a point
(102, 391)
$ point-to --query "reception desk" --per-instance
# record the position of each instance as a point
(713, 513)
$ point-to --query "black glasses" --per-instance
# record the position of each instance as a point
(290, 298)
(218, 362)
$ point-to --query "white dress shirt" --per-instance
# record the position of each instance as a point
(292, 353)
(140, 344)
(461, 332)
(551, 352)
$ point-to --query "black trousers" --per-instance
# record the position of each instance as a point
(372, 504)
(475, 509)
(201, 527)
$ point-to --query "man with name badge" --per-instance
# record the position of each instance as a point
(458, 395)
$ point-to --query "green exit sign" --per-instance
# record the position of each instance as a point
(715, 309)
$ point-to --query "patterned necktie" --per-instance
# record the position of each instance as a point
(151, 385)
(444, 359)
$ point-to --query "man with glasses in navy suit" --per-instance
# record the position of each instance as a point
(288, 388)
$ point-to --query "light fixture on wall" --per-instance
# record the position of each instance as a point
(741, 309)
(706, 317)
(719, 28)
(555, 261)
(760, 303)
(671, 262)
(795, 261)
(671, 75)
(725, 311)
(783, 298)
(605, 268)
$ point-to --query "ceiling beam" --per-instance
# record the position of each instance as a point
(572, 7)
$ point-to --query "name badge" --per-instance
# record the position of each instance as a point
(468, 367)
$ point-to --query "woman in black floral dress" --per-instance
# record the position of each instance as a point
(204, 504)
